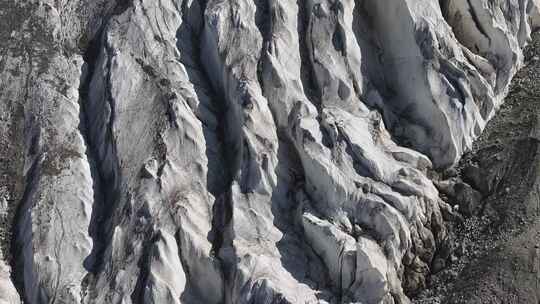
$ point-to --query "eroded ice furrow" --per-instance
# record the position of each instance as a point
(104, 182)
(57, 206)
(54, 216)
(11, 161)
(164, 209)
(272, 270)
(50, 230)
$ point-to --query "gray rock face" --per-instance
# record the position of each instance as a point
(239, 151)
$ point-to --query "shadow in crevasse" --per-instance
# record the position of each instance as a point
(297, 256)
(221, 150)
(211, 111)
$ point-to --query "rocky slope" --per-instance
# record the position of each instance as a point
(497, 248)
(239, 151)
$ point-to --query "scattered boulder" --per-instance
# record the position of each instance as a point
(468, 199)
(476, 177)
